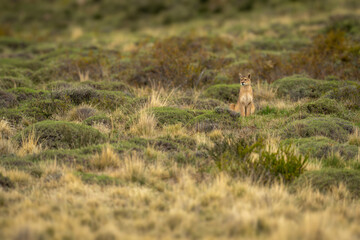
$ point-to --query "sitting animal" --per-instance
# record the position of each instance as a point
(245, 104)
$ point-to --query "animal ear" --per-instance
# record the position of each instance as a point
(249, 75)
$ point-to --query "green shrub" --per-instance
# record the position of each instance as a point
(219, 118)
(7, 100)
(98, 119)
(298, 86)
(77, 95)
(323, 180)
(13, 43)
(170, 115)
(201, 103)
(347, 95)
(350, 24)
(109, 86)
(333, 162)
(236, 157)
(7, 82)
(331, 127)
(82, 112)
(33, 65)
(324, 106)
(24, 93)
(323, 147)
(223, 92)
(60, 134)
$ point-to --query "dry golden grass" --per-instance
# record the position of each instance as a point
(354, 139)
(145, 124)
(106, 159)
(6, 147)
(29, 145)
(6, 130)
(221, 207)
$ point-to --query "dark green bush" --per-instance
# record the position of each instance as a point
(60, 134)
(24, 93)
(220, 118)
(7, 100)
(223, 92)
(77, 95)
(170, 115)
(324, 106)
(98, 119)
(7, 82)
(347, 95)
(323, 147)
(298, 86)
(323, 180)
(331, 127)
(333, 162)
(236, 157)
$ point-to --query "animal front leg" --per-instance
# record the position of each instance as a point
(242, 110)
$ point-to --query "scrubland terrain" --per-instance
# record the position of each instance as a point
(114, 120)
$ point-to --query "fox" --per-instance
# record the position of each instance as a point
(245, 104)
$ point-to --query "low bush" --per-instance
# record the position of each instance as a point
(324, 180)
(7, 100)
(7, 82)
(324, 106)
(237, 158)
(323, 147)
(347, 95)
(219, 118)
(24, 93)
(80, 113)
(297, 86)
(60, 134)
(170, 115)
(101, 118)
(331, 127)
(223, 92)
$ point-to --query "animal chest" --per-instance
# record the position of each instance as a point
(246, 98)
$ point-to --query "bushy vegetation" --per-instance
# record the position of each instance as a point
(326, 179)
(59, 134)
(115, 119)
(237, 158)
(334, 128)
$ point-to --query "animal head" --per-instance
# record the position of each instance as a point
(245, 81)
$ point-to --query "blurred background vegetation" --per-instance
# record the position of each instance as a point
(105, 15)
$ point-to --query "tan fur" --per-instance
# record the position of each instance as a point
(245, 104)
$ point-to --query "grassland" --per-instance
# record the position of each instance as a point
(115, 125)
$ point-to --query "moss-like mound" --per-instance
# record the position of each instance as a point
(219, 118)
(223, 92)
(320, 147)
(297, 87)
(7, 82)
(171, 115)
(102, 98)
(348, 95)
(334, 128)
(7, 100)
(24, 93)
(323, 180)
(60, 134)
(110, 86)
(324, 106)
(102, 118)
(201, 103)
